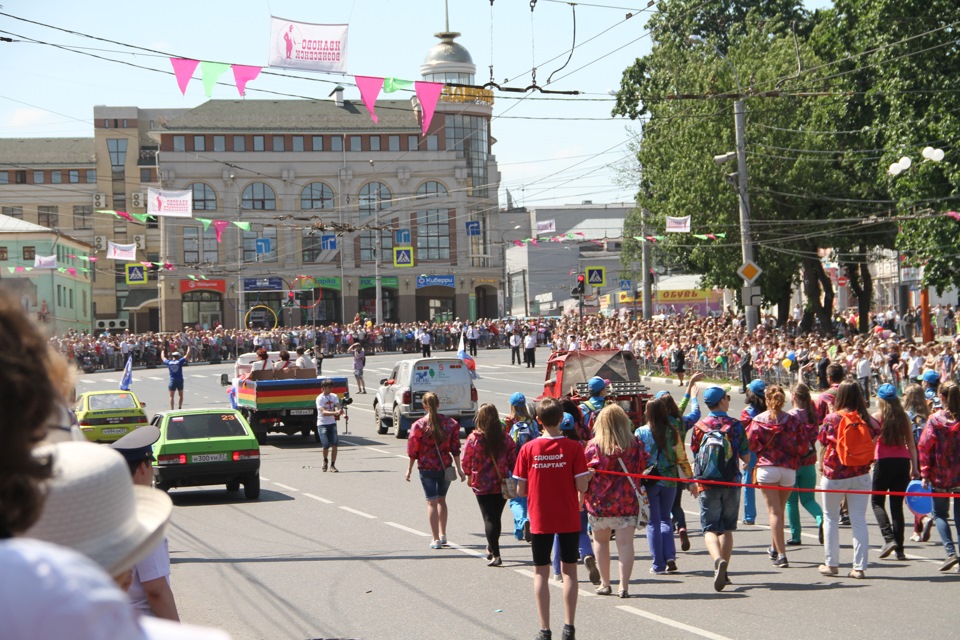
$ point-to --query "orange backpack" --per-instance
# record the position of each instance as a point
(855, 446)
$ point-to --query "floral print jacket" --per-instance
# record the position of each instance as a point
(608, 495)
(424, 449)
(478, 465)
(939, 451)
(780, 442)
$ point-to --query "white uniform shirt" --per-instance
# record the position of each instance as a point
(156, 565)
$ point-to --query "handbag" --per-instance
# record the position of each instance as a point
(508, 486)
(449, 473)
(643, 517)
(652, 470)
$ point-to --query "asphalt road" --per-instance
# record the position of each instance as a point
(346, 555)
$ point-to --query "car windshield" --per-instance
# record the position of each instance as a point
(109, 402)
(204, 425)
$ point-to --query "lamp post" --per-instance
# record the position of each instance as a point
(503, 262)
(739, 120)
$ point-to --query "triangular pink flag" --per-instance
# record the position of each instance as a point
(168, 266)
(124, 214)
(518, 243)
(72, 271)
(183, 68)
(94, 258)
(428, 93)
(219, 226)
(369, 92)
(711, 236)
(580, 233)
(534, 242)
(20, 269)
(242, 74)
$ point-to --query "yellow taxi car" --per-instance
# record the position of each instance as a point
(105, 416)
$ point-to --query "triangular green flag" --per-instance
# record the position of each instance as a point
(62, 269)
(699, 237)
(11, 269)
(206, 222)
(211, 72)
(28, 268)
(192, 277)
(243, 225)
(395, 84)
(110, 211)
(720, 235)
(639, 238)
(204, 278)
(141, 217)
(658, 237)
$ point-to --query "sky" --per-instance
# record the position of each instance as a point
(550, 149)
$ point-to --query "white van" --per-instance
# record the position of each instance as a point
(399, 399)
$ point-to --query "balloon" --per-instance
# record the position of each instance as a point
(787, 362)
(718, 359)
(792, 356)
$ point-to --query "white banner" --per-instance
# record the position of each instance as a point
(176, 204)
(45, 262)
(308, 47)
(678, 225)
(546, 226)
(126, 252)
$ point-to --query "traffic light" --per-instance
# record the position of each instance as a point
(290, 300)
(578, 290)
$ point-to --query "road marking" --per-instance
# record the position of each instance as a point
(196, 375)
(359, 513)
(553, 583)
(85, 381)
(319, 499)
(285, 486)
(154, 378)
(672, 623)
(380, 451)
(467, 550)
(265, 479)
(407, 529)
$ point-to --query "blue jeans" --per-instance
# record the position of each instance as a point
(586, 547)
(749, 494)
(519, 508)
(719, 507)
(660, 528)
(433, 483)
(941, 514)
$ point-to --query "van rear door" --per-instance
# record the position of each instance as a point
(448, 378)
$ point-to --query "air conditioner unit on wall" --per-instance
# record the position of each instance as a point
(112, 324)
(137, 199)
(100, 243)
(99, 200)
(141, 242)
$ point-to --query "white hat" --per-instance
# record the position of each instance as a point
(92, 506)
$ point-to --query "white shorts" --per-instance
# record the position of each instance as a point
(779, 476)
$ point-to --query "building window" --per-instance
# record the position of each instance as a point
(469, 136)
(199, 143)
(258, 144)
(374, 143)
(21, 177)
(73, 175)
(219, 144)
(374, 196)
(3, 253)
(146, 175)
(312, 246)
(191, 245)
(91, 176)
(4, 177)
(56, 177)
(413, 143)
(48, 217)
(204, 197)
(317, 143)
(278, 143)
(38, 177)
(120, 230)
(433, 235)
(336, 143)
(368, 250)
(29, 253)
(239, 143)
(297, 142)
(59, 295)
(433, 143)
(316, 195)
(70, 295)
(258, 196)
(83, 217)
(120, 202)
(13, 212)
(250, 245)
(118, 153)
(393, 143)
(431, 189)
(179, 143)
(355, 144)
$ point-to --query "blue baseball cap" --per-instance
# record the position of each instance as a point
(887, 392)
(596, 384)
(931, 377)
(567, 424)
(757, 386)
(714, 395)
(517, 399)
(660, 394)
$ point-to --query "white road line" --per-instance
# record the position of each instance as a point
(265, 479)
(85, 381)
(319, 499)
(380, 450)
(359, 513)
(195, 375)
(285, 486)
(154, 378)
(672, 623)
(554, 583)
(407, 529)
(467, 550)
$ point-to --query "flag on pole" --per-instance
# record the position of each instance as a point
(127, 378)
(467, 359)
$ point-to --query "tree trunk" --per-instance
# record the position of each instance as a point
(862, 283)
(825, 312)
(811, 291)
(783, 307)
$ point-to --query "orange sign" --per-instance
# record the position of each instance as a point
(683, 295)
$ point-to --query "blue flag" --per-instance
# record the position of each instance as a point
(127, 378)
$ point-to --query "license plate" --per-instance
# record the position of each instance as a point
(446, 401)
(114, 420)
(301, 412)
(113, 432)
(209, 457)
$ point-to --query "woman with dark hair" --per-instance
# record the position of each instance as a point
(918, 410)
(664, 445)
(434, 440)
(896, 465)
(940, 465)
(488, 457)
(756, 404)
(806, 413)
(683, 424)
(847, 435)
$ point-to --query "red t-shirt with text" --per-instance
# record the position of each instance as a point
(550, 466)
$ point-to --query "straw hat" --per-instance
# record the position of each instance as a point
(93, 507)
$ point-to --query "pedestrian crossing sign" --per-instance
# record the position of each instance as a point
(597, 277)
(403, 256)
(136, 273)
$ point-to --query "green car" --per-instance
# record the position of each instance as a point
(106, 416)
(200, 447)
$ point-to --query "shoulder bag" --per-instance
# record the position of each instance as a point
(449, 473)
(643, 517)
(508, 486)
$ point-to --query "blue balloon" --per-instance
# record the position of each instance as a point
(792, 356)
(922, 504)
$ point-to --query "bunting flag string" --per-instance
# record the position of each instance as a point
(243, 225)
(369, 91)
(219, 226)
(210, 73)
(205, 221)
(395, 84)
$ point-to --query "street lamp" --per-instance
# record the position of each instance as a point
(739, 120)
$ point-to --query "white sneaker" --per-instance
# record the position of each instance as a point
(915, 537)
(436, 545)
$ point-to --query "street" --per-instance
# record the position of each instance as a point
(346, 555)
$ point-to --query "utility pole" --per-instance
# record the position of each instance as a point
(746, 248)
(646, 267)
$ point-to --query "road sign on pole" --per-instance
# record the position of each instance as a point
(403, 256)
(262, 245)
(401, 237)
(597, 277)
(749, 271)
(328, 242)
(136, 273)
(842, 281)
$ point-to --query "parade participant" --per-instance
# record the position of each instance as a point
(488, 457)
(805, 411)
(918, 410)
(756, 404)
(780, 440)
(359, 362)
(847, 437)
(592, 405)
(940, 465)
(329, 411)
(304, 361)
(434, 440)
(175, 365)
(717, 442)
(568, 427)
(284, 362)
(515, 343)
(678, 361)
(522, 428)
(530, 349)
(896, 464)
(551, 470)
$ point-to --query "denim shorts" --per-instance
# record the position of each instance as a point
(328, 435)
(175, 385)
(719, 509)
(434, 484)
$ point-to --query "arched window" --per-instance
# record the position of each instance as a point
(431, 189)
(374, 196)
(204, 197)
(316, 195)
(258, 196)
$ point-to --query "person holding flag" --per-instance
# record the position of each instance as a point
(467, 359)
(127, 378)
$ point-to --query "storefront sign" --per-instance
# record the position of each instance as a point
(262, 284)
(328, 282)
(386, 282)
(467, 94)
(203, 285)
(683, 295)
(436, 281)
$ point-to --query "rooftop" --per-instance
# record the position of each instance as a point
(36, 151)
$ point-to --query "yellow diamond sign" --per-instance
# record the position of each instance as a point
(749, 271)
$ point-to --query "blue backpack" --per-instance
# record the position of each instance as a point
(522, 433)
(715, 460)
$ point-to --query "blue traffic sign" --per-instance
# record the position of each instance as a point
(401, 237)
(473, 227)
(625, 285)
(328, 242)
(263, 245)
